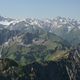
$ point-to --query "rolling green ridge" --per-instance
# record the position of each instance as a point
(35, 47)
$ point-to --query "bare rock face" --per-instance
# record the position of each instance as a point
(8, 69)
(73, 64)
(65, 69)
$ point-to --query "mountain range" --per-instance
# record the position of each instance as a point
(29, 46)
(66, 28)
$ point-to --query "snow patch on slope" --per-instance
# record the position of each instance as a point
(5, 23)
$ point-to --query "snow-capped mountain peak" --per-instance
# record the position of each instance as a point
(47, 24)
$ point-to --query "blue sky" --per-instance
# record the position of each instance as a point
(40, 8)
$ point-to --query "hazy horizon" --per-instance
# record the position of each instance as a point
(40, 8)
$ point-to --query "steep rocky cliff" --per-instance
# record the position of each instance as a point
(64, 69)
